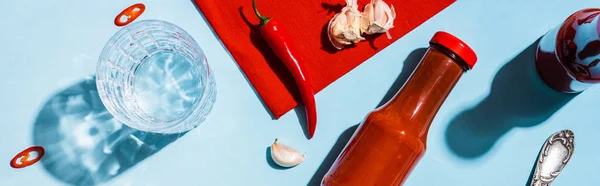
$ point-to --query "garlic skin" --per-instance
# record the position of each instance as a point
(285, 156)
(379, 18)
(345, 27)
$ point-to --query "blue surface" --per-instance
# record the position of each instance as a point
(488, 132)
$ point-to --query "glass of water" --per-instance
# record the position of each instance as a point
(153, 76)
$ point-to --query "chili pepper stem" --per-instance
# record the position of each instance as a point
(263, 19)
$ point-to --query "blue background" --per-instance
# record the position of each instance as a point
(488, 132)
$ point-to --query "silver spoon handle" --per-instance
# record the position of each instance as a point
(555, 154)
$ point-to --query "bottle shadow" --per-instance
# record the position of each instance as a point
(332, 155)
(84, 143)
(410, 64)
(518, 98)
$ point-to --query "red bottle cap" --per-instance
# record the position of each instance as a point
(455, 45)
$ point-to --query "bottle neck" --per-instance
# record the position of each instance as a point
(419, 100)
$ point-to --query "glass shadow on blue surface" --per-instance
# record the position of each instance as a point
(518, 98)
(84, 144)
(410, 64)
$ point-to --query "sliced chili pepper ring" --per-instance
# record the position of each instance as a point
(130, 14)
(22, 160)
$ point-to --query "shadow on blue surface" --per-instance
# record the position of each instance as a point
(410, 64)
(530, 179)
(332, 155)
(84, 144)
(301, 113)
(518, 98)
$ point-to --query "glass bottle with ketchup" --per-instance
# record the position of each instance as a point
(568, 55)
(392, 139)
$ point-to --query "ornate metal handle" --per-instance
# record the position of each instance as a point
(555, 154)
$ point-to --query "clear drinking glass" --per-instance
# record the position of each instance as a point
(153, 76)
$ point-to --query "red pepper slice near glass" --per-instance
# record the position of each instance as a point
(129, 14)
(283, 47)
(22, 160)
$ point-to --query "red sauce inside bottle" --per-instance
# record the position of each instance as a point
(392, 139)
(568, 56)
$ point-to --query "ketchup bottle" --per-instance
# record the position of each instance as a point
(392, 139)
(567, 56)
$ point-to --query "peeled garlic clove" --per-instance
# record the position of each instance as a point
(285, 156)
(379, 18)
(345, 27)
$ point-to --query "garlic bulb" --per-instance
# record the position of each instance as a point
(285, 156)
(345, 27)
(379, 18)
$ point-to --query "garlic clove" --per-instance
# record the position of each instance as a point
(379, 17)
(368, 17)
(285, 156)
(345, 27)
(334, 30)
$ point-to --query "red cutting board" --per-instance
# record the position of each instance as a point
(306, 20)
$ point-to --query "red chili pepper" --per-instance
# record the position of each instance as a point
(283, 47)
(22, 160)
(129, 14)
